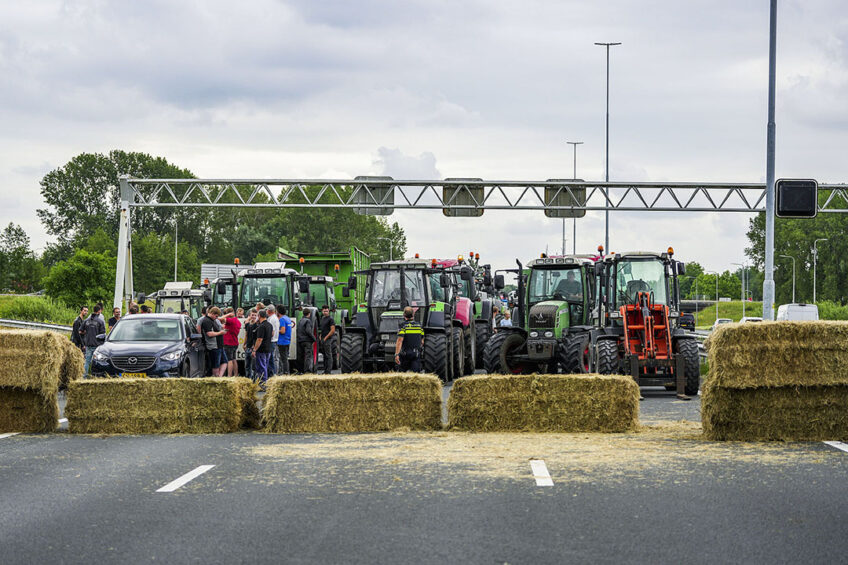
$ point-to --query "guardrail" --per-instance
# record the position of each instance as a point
(34, 326)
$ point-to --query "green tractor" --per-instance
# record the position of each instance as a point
(368, 344)
(555, 298)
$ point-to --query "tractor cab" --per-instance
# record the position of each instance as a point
(177, 297)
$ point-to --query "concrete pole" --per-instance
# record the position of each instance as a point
(768, 282)
(815, 259)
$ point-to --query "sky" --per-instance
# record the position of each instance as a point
(433, 89)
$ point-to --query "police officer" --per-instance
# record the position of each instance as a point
(409, 343)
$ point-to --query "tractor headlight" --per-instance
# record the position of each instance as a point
(549, 334)
(100, 356)
(172, 356)
(615, 315)
(534, 334)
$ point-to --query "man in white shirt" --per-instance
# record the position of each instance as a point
(274, 320)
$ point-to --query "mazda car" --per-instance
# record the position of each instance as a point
(150, 345)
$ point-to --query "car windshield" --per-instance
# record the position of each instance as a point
(555, 284)
(268, 290)
(150, 329)
(635, 276)
(385, 287)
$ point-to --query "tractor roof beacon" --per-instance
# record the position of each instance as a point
(638, 331)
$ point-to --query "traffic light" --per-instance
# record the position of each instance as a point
(796, 198)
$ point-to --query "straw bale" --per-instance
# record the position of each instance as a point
(73, 363)
(544, 403)
(775, 354)
(148, 406)
(27, 410)
(789, 413)
(353, 403)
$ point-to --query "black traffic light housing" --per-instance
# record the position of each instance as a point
(796, 198)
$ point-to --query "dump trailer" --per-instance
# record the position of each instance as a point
(177, 297)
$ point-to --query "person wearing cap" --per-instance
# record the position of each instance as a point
(410, 343)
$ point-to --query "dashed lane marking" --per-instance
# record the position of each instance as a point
(838, 445)
(540, 473)
(177, 483)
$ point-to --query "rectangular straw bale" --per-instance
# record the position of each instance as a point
(353, 403)
(776, 354)
(73, 362)
(790, 413)
(151, 406)
(31, 368)
(27, 410)
(544, 403)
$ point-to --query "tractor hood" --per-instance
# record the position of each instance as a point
(545, 314)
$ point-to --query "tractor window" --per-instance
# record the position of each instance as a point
(437, 293)
(169, 306)
(222, 299)
(633, 277)
(386, 287)
(317, 294)
(555, 284)
(464, 288)
(268, 290)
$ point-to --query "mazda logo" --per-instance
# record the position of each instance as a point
(132, 360)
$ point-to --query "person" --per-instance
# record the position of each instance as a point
(328, 333)
(78, 329)
(133, 309)
(250, 328)
(263, 348)
(496, 316)
(410, 341)
(116, 315)
(240, 313)
(275, 325)
(93, 327)
(570, 287)
(211, 330)
(305, 339)
(284, 340)
(232, 326)
(506, 321)
(145, 309)
(207, 358)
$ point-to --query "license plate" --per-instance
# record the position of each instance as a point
(133, 375)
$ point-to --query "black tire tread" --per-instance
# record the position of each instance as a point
(435, 355)
(571, 353)
(607, 361)
(492, 353)
(352, 351)
(483, 332)
(688, 348)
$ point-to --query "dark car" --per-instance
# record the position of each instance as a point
(687, 321)
(150, 345)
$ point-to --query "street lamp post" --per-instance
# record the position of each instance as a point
(390, 245)
(742, 276)
(606, 190)
(793, 275)
(716, 280)
(573, 220)
(815, 258)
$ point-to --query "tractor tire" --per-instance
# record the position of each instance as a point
(607, 361)
(436, 360)
(492, 353)
(458, 354)
(352, 352)
(574, 354)
(497, 353)
(482, 334)
(688, 348)
(470, 352)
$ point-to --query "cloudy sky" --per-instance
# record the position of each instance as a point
(433, 89)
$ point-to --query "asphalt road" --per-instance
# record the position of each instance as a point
(661, 497)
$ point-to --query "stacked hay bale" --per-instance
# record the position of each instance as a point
(777, 381)
(353, 403)
(544, 403)
(160, 406)
(32, 366)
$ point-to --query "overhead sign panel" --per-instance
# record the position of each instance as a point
(463, 194)
(381, 195)
(565, 195)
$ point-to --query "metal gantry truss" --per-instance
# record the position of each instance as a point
(455, 197)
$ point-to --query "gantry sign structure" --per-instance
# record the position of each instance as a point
(464, 197)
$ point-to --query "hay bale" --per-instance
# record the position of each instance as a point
(789, 413)
(73, 363)
(27, 410)
(544, 403)
(153, 406)
(775, 354)
(353, 403)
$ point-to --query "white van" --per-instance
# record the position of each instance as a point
(797, 312)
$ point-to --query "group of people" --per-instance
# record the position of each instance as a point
(87, 327)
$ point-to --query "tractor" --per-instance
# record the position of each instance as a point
(470, 311)
(369, 342)
(555, 299)
(482, 294)
(638, 333)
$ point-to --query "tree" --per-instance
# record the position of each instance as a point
(20, 269)
(84, 279)
(687, 282)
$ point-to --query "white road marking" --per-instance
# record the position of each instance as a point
(63, 420)
(175, 484)
(10, 434)
(838, 445)
(540, 473)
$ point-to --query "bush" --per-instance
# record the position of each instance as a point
(832, 311)
(37, 309)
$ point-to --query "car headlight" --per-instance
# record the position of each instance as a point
(534, 334)
(549, 334)
(172, 356)
(100, 356)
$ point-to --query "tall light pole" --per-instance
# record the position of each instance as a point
(742, 274)
(815, 258)
(390, 245)
(793, 275)
(768, 279)
(176, 233)
(606, 190)
(716, 280)
(573, 220)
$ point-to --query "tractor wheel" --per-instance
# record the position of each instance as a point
(458, 353)
(436, 355)
(470, 352)
(688, 348)
(608, 362)
(352, 351)
(499, 349)
(574, 355)
(482, 334)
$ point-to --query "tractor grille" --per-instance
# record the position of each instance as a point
(543, 316)
(133, 363)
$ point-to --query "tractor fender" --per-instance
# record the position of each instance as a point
(436, 320)
(361, 321)
(345, 316)
(435, 330)
(485, 310)
(464, 311)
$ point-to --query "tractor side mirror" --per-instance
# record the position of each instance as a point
(499, 282)
(681, 268)
(346, 291)
(141, 298)
(466, 275)
(444, 280)
(207, 296)
(487, 280)
(351, 282)
(303, 285)
(221, 287)
(599, 269)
